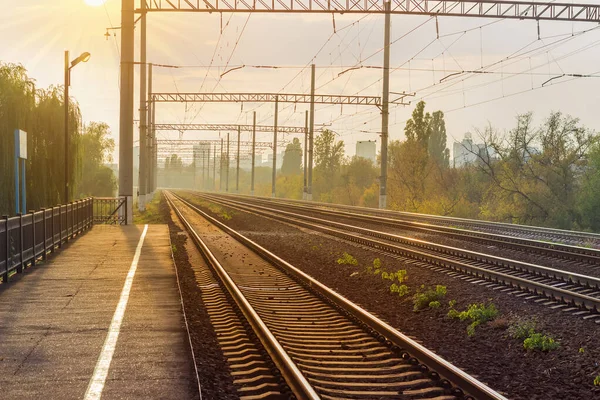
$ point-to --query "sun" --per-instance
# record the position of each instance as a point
(94, 3)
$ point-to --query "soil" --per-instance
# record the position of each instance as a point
(215, 378)
(491, 354)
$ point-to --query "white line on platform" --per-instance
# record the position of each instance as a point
(96, 385)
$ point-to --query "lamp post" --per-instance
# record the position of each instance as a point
(84, 57)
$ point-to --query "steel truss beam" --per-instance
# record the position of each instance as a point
(457, 8)
(263, 98)
(228, 127)
(179, 143)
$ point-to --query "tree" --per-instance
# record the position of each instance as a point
(39, 112)
(292, 158)
(96, 149)
(437, 140)
(329, 156)
(417, 128)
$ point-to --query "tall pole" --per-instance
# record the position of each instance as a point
(304, 167)
(207, 185)
(126, 108)
(155, 149)
(311, 132)
(203, 169)
(150, 133)
(214, 182)
(67, 83)
(237, 173)
(143, 172)
(253, 152)
(274, 178)
(385, 108)
(227, 166)
(221, 168)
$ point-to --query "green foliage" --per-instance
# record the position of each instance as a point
(477, 313)
(402, 290)
(581, 350)
(292, 158)
(425, 296)
(39, 112)
(347, 259)
(597, 380)
(522, 329)
(526, 330)
(97, 147)
(152, 214)
(434, 304)
(538, 341)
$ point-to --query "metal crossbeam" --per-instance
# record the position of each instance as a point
(457, 8)
(262, 98)
(228, 127)
(180, 143)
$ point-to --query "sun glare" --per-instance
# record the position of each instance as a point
(94, 3)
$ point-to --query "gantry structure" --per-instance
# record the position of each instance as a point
(520, 10)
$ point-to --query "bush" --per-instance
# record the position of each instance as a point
(424, 297)
(537, 341)
(347, 259)
(402, 290)
(434, 304)
(477, 313)
(522, 329)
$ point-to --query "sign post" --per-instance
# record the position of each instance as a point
(20, 157)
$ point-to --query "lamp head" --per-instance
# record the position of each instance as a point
(84, 57)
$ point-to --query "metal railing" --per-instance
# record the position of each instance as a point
(26, 238)
(110, 210)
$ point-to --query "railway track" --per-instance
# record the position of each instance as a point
(552, 251)
(323, 345)
(548, 236)
(561, 289)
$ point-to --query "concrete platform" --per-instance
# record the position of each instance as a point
(55, 319)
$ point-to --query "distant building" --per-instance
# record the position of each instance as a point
(466, 152)
(367, 149)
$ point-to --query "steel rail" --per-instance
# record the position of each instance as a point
(575, 253)
(441, 219)
(446, 370)
(579, 300)
(292, 375)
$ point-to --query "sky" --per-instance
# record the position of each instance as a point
(427, 57)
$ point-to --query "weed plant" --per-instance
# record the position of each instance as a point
(476, 313)
(425, 296)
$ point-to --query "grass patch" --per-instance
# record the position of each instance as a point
(347, 259)
(425, 296)
(152, 214)
(477, 313)
(532, 340)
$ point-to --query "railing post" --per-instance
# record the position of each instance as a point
(32, 212)
(45, 256)
(60, 226)
(7, 244)
(21, 266)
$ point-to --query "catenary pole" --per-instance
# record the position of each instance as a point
(311, 132)
(227, 166)
(126, 107)
(274, 177)
(237, 168)
(304, 166)
(253, 152)
(385, 108)
(143, 154)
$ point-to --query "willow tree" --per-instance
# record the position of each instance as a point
(39, 112)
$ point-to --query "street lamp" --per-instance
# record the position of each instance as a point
(84, 57)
